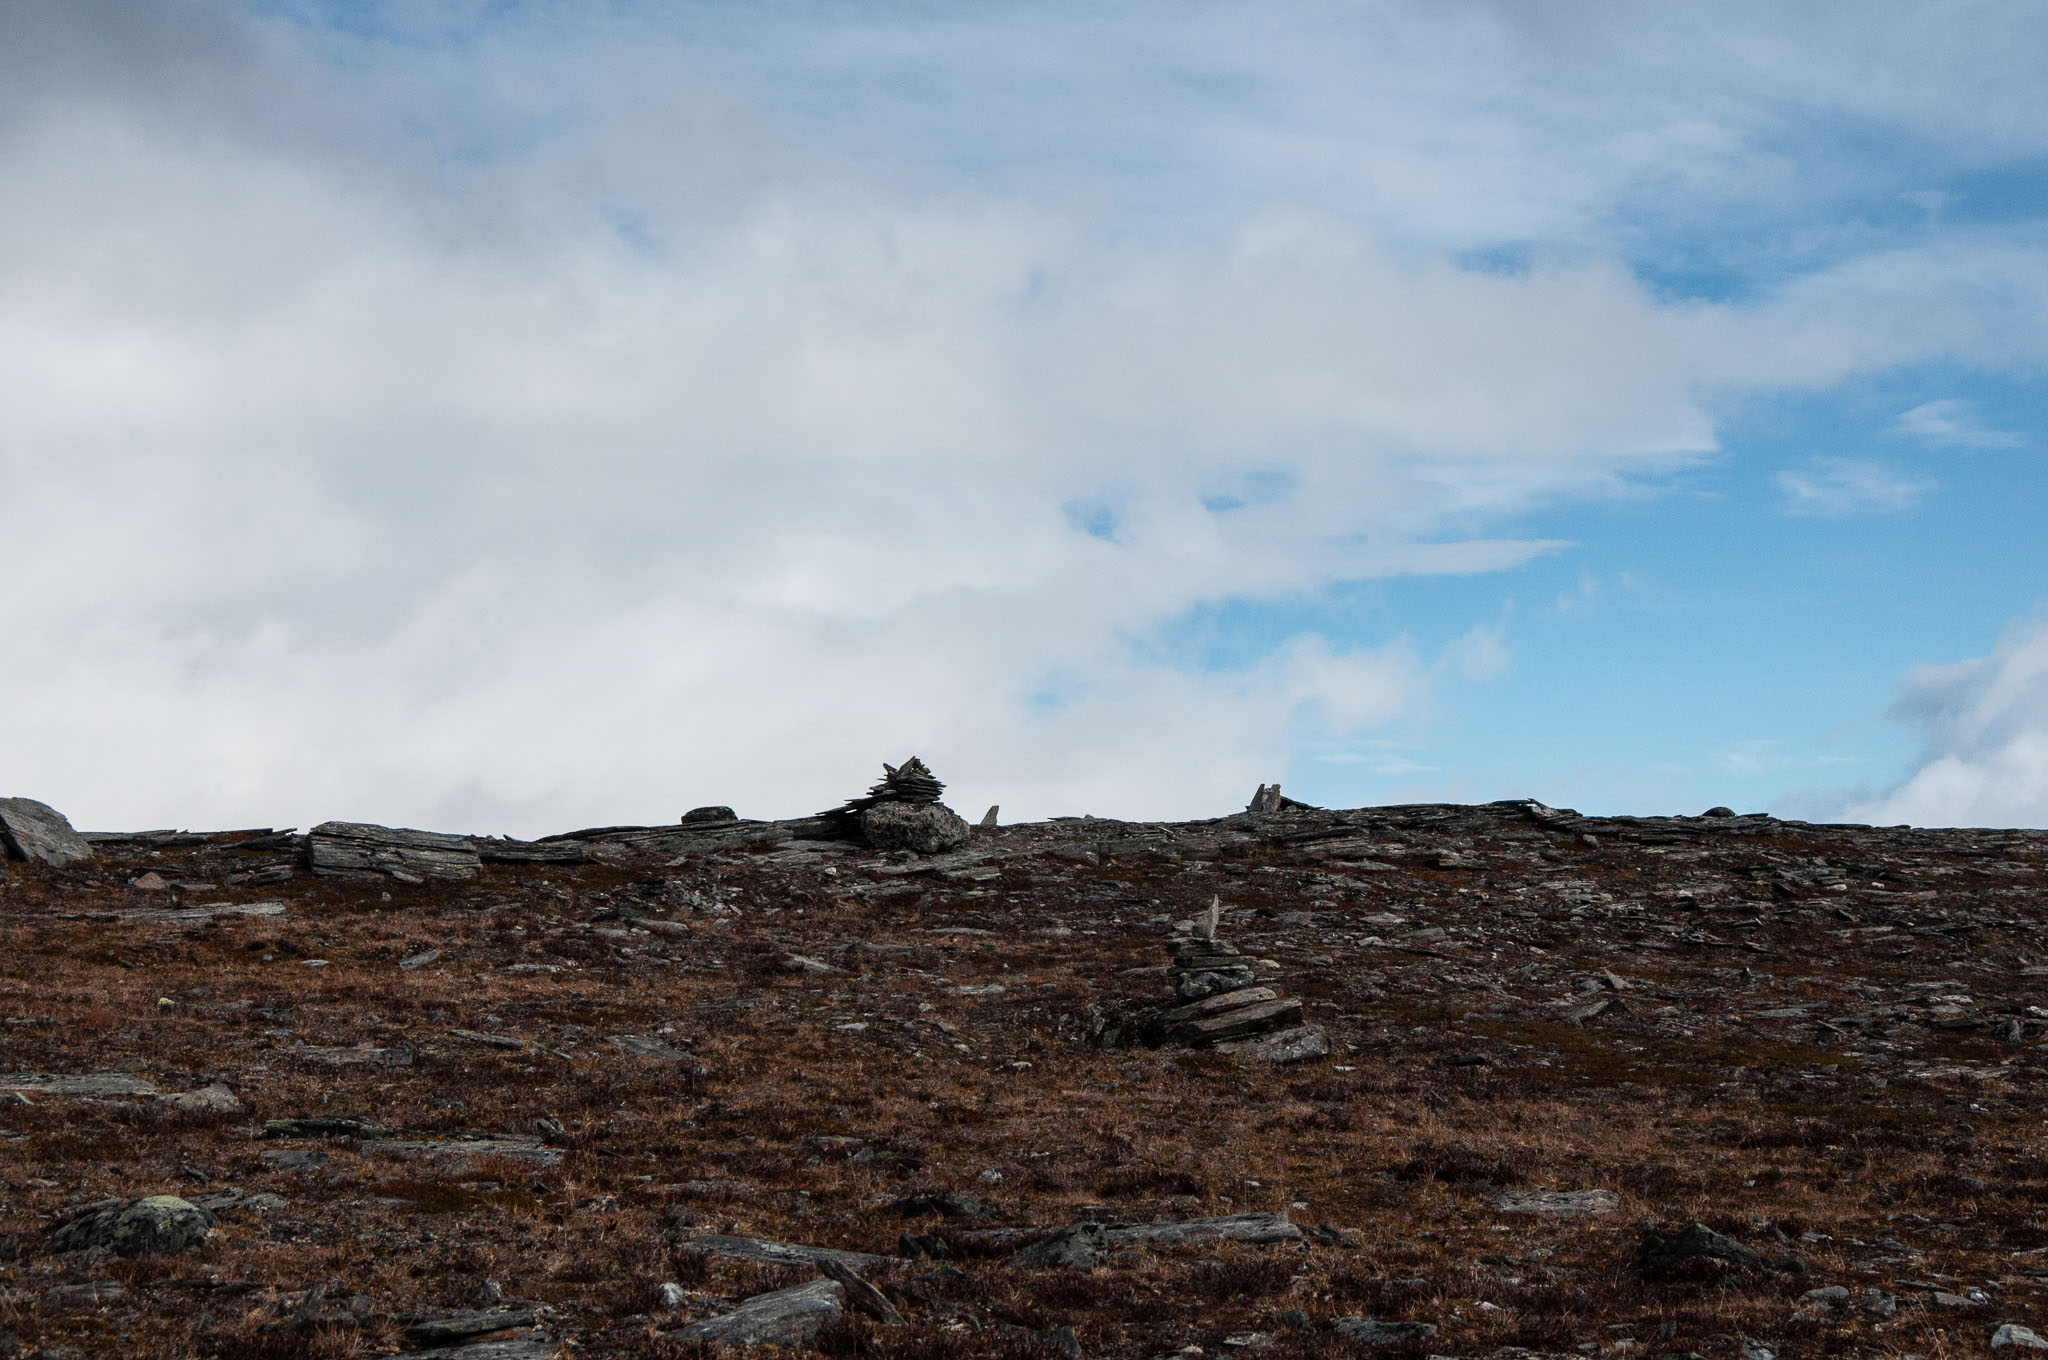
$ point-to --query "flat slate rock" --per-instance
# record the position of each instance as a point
(1242, 1022)
(1262, 1227)
(1565, 1202)
(513, 1348)
(37, 831)
(1303, 1043)
(88, 1084)
(777, 1253)
(189, 916)
(787, 1317)
(1371, 1332)
(341, 848)
(455, 1327)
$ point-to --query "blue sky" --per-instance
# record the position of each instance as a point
(509, 416)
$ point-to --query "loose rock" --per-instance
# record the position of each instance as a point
(37, 831)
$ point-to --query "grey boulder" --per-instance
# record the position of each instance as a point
(927, 828)
(157, 1226)
(37, 831)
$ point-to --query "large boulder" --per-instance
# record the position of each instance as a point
(927, 828)
(32, 830)
(157, 1226)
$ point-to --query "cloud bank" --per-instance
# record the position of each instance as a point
(564, 428)
(1986, 762)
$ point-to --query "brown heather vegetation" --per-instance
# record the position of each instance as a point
(1774, 1064)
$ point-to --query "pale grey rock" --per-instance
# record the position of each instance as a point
(2012, 1334)
(158, 1225)
(787, 1317)
(927, 828)
(1562, 1202)
(215, 1098)
(37, 831)
(1198, 984)
(91, 1085)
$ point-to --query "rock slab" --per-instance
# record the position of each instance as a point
(37, 831)
(787, 1317)
(338, 848)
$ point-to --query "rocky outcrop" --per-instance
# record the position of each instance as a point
(37, 831)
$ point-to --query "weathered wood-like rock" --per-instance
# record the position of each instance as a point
(787, 1317)
(408, 856)
(456, 1327)
(1563, 1202)
(37, 831)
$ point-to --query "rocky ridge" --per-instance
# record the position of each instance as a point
(1718, 1085)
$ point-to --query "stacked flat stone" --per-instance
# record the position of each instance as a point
(1224, 1007)
(903, 812)
(909, 782)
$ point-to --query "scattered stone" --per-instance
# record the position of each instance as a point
(294, 1159)
(420, 960)
(1303, 1043)
(2012, 1334)
(803, 963)
(213, 1098)
(37, 831)
(787, 1317)
(351, 848)
(1370, 1332)
(1079, 1246)
(1562, 1202)
(716, 812)
(150, 882)
(157, 1226)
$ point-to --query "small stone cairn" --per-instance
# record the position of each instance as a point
(1220, 1004)
(903, 812)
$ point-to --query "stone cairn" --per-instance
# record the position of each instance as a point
(1220, 1004)
(903, 812)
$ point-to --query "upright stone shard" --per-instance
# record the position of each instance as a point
(37, 831)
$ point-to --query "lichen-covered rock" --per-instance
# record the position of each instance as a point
(927, 828)
(157, 1226)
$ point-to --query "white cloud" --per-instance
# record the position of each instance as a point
(1848, 486)
(1986, 760)
(592, 431)
(1952, 421)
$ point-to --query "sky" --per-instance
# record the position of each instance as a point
(505, 418)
